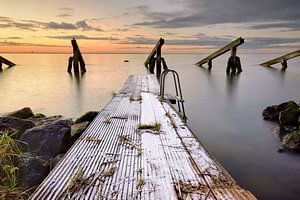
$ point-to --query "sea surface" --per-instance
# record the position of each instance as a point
(223, 111)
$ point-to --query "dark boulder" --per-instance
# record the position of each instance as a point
(271, 113)
(288, 117)
(23, 113)
(87, 117)
(47, 140)
(292, 140)
(32, 171)
(77, 130)
(16, 125)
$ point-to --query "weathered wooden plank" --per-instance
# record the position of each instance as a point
(281, 59)
(167, 164)
(221, 51)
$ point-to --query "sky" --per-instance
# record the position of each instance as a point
(134, 26)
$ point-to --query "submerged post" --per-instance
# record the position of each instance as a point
(282, 59)
(233, 63)
(77, 57)
(155, 58)
(5, 61)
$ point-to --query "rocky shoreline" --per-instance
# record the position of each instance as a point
(41, 140)
(287, 115)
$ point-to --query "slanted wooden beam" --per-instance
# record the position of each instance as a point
(154, 51)
(231, 46)
(77, 56)
(282, 59)
(7, 62)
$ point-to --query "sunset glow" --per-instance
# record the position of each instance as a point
(191, 26)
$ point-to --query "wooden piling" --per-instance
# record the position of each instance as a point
(234, 61)
(75, 63)
(158, 62)
(1, 65)
(70, 64)
(155, 58)
(7, 62)
(77, 57)
(282, 59)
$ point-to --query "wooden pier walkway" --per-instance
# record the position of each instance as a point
(139, 148)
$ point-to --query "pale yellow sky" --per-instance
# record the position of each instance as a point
(118, 26)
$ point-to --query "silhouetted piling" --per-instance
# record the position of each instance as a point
(76, 59)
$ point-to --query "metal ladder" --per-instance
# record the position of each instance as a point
(179, 99)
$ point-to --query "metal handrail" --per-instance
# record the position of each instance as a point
(180, 101)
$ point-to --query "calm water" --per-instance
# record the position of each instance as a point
(224, 111)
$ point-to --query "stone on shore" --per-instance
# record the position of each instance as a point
(289, 116)
(77, 130)
(23, 113)
(32, 171)
(47, 140)
(16, 125)
(87, 117)
(292, 140)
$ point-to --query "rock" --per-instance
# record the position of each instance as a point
(32, 171)
(292, 141)
(87, 117)
(24, 113)
(16, 125)
(271, 113)
(47, 140)
(288, 117)
(39, 116)
(77, 130)
(55, 160)
(280, 150)
(46, 120)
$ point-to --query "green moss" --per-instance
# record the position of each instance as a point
(38, 116)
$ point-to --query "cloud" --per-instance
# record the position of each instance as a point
(207, 12)
(84, 26)
(9, 43)
(293, 26)
(82, 37)
(35, 25)
(65, 12)
(10, 38)
(218, 42)
(62, 25)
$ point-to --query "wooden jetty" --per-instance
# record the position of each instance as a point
(138, 147)
(234, 62)
(77, 57)
(282, 60)
(5, 61)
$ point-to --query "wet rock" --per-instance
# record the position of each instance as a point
(32, 171)
(46, 120)
(292, 140)
(55, 160)
(77, 130)
(271, 113)
(19, 126)
(23, 113)
(39, 116)
(47, 140)
(288, 117)
(87, 117)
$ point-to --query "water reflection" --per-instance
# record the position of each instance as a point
(232, 79)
